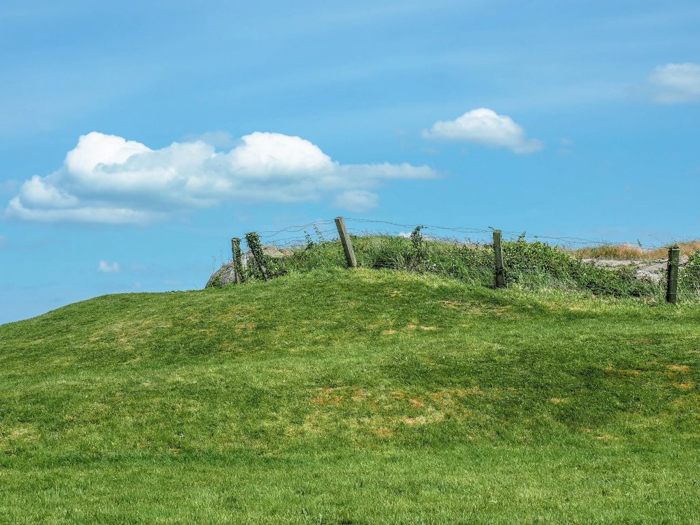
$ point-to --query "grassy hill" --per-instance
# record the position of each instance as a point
(352, 397)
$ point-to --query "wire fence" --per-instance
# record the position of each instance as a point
(298, 235)
(530, 260)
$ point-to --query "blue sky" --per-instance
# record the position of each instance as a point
(560, 118)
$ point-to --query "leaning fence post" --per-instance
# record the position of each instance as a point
(498, 251)
(237, 266)
(346, 242)
(672, 274)
(253, 241)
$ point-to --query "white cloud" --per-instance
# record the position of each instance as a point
(107, 179)
(357, 201)
(675, 83)
(109, 267)
(485, 126)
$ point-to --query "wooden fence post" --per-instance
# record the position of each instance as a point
(674, 253)
(346, 242)
(253, 241)
(498, 251)
(237, 266)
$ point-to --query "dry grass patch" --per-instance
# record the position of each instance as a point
(634, 252)
(683, 386)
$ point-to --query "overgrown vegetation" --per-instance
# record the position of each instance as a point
(690, 274)
(634, 252)
(364, 397)
(530, 265)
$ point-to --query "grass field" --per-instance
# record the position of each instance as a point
(352, 397)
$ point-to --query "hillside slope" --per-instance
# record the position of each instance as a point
(351, 397)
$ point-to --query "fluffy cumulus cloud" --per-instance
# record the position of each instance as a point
(109, 267)
(108, 179)
(676, 83)
(485, 126)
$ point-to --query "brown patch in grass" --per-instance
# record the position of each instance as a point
(679, 368)
(19, 435)
(381, 431)
(388, 332)
(327, 397)
(420, 420)
(429, 328)
(245, 326)
(458, 392)
(452, 304)
(417, 403)
(556, 400)
(683, 386)
(359, 395)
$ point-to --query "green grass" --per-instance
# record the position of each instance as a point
(352, 397)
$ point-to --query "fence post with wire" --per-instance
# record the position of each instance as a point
(672, 274)
(346, 242)
(472, 255)
(498, 252)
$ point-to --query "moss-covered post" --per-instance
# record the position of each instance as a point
(237, 266)
(674, 253)
(253, 241)
(346, 242)
(498, 252)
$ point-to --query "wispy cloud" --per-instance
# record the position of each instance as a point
(357, 201)
(675, 83)
(109, 267)
(485, 126)
(3, 242)
(108, 179)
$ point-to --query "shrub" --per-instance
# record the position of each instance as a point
(528, 264)
(690, 274)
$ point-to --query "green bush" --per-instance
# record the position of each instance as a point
(537, 263)
(690, 274)
(528, 264)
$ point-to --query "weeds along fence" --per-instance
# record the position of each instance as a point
(482, 256)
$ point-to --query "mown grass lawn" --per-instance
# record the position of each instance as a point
(352, 397)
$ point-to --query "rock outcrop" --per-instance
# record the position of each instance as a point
(225, 274)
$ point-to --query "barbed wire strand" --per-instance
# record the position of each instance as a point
(279, 237)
